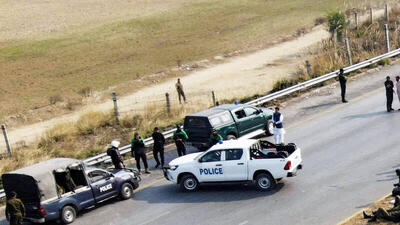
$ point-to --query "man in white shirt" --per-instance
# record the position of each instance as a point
(279, 131)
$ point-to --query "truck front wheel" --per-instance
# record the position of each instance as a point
(188, 183)
(126, 191)
(265, 182)
(231, 137)
(68, 214)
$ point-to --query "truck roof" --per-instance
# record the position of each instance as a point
(235, 144)
(216, 110)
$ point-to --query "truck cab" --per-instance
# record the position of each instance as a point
(246, 160)
(230, 120)
(60, 188)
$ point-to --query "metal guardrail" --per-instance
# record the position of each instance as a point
(168, 134)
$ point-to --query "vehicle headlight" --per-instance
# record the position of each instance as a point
(133, 175)
(173, 167)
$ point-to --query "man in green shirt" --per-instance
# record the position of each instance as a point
(215, 138)
(180, 138)
(15, 209)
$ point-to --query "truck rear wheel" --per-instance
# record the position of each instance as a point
(265, 182)
(126, 191)
(269, 128)
(188, 183)
(231, 137)
(68, 214)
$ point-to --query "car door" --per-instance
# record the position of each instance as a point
(255, 118)
(242, 122)
(210, 167)
(235, 165)
(102, 184)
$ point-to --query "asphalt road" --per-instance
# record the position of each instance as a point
(349, 150)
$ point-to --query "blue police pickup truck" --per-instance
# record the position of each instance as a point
(59, 188)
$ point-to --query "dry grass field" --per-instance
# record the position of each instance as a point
(55, 50)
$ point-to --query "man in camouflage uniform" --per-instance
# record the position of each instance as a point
(15, 209)
(392, 214)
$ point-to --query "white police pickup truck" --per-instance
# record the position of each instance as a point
(246, 160)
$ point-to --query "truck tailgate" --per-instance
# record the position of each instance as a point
(295, 160)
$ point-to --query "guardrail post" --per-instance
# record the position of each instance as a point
(356, 19)
(348, 51)
(168, 103)
(308, 66)
(213, 97)
(114, 98)
(387, 38)
(387, 12)
(371, 16)
(3, 127)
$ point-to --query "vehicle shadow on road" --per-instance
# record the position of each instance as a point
(215, 193)
(366, 115)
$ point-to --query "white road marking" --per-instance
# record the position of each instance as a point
(244, 222)
(156, 217)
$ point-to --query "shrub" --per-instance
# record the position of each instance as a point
(55, 98)
(336, 21)
(85, 92)
(384, 62)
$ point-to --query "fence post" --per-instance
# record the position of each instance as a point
(387, 12)
(371, 16)
(213, 97)
(114, 98)
(356, 19)
(335, 38)
(3, 127)
(168, 103)
(348, 51)
(387, 38)
(308, 66)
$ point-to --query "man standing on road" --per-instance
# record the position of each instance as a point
(179, 89)
(15, 209)
(158, 146)
(138, 151)
(279, 132)
(180, 138)
(342, 81)
(398, 87)
(115, 155)
(389, 94)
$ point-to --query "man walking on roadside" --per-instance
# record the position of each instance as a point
(179, 89)
(180, 138)
(158, 147)
(279, 132)
(342, 81)
(15, 209)
(389, 94)
(398, 87)
(138, 151)
(115, 155)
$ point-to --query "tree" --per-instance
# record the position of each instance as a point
(336, 21)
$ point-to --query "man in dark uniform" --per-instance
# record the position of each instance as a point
(342, 81)
(15, 209)
(215, 138)
(115, 155)
(158, 147)
(180, 137)
(389, 94)
(139, 152)
(392, 214)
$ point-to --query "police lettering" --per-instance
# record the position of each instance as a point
(211, 171)
(106, 188)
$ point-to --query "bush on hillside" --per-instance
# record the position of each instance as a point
(336, 21)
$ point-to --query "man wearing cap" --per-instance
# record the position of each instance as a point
(277, 119)
(215, 138)
(15, 209)
(115, 155)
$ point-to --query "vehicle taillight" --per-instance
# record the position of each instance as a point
(43, 211)
(288, 165)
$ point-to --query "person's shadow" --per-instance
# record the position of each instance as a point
(366, 115)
